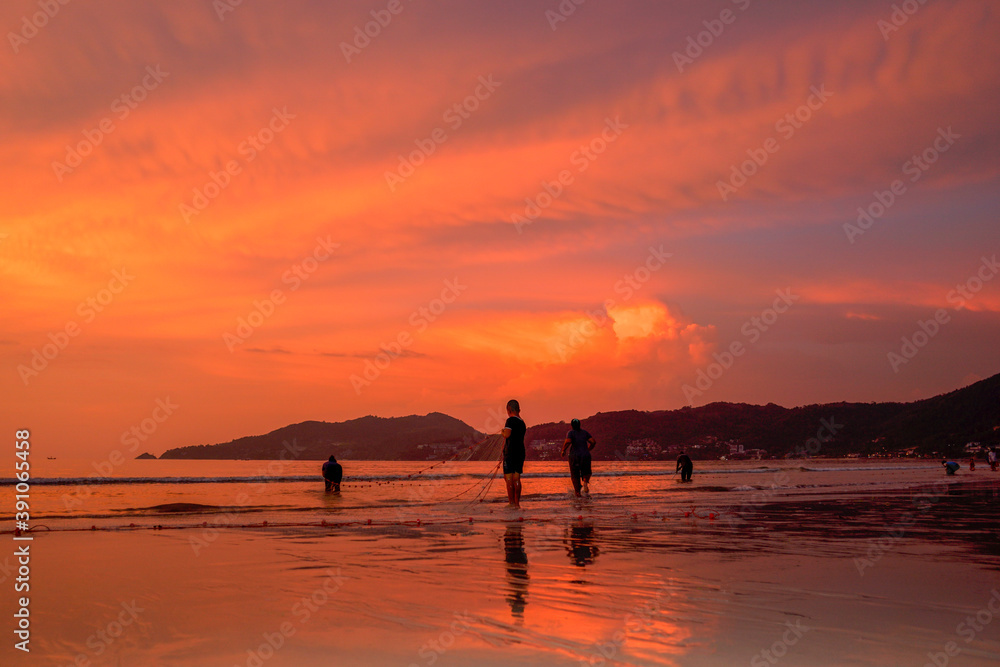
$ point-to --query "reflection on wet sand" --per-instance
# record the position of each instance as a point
(580, 544)
(517, 571)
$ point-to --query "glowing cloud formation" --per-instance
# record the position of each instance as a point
(267, 213)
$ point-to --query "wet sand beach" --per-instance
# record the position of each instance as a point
(810, 575)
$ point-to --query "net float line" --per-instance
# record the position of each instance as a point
(491, 442)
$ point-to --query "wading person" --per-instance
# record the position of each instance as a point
(333, 472)
(513, 452)
(579, 443)
(685, 466)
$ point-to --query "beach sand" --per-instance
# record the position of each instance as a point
(873, 578)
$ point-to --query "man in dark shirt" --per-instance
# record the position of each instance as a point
(685, 466)
(513, 452)
(333, 472)
(579, 443)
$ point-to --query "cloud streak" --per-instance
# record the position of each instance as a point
(655, 184)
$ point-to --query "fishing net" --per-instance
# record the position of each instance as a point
(487, 449)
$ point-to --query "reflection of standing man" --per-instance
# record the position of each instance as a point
(685, 466)
(581, 548)
(513, 452)
(517, 571)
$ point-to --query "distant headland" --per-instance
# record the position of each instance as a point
(958, 423)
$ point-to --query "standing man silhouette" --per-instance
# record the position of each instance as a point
(513, 452)
(579, 443)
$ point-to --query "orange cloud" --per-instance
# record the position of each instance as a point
(591, 133)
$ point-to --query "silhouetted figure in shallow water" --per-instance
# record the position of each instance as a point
(333, 472)
(579, 443)
(581, 548)
(513, 452)
(685, 466)
(517, 570)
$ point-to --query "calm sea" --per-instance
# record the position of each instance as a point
(821, 562)
(71, 494)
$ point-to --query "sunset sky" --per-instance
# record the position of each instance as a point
(234, 210)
